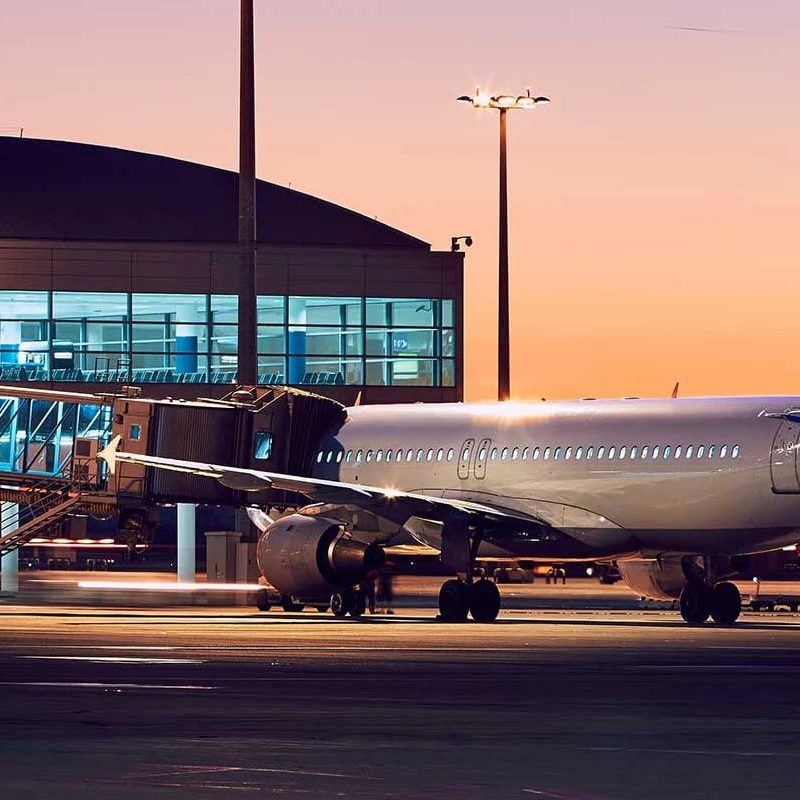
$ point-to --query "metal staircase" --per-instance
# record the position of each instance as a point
(39, 506)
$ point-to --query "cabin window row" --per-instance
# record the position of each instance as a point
(588, 453)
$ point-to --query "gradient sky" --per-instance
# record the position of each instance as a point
(654, 204)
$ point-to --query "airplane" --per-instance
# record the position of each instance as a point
(677, 491)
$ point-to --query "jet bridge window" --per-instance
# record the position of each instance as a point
(262, 447)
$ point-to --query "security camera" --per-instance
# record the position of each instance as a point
(455, 245)
(468, 241)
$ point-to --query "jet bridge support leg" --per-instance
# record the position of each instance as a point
(9, 577)
(461, 596)
(186, 542)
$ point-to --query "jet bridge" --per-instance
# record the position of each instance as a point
(268, 428)
(49, 441)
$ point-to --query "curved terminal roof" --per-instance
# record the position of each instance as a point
(83, 192)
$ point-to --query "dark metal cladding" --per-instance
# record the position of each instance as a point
(193, 433)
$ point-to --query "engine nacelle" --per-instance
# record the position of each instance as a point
(658, 581)
(312, 557)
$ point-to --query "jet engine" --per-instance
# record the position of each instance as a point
(313, 557)
(662, 580)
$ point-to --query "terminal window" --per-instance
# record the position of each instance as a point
(193, 338)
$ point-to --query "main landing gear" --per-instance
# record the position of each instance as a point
(463, 596)
(458, 598)
(348, 601)
(699, 601)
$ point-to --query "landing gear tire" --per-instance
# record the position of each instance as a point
(454, 601)
(340, 604)
(726, 603)
(695, 603)
(288, 604)
(262, 600)
(484, 601)
(358, 604)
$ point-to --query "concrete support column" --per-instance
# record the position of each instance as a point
(9, 567)
(186, 543)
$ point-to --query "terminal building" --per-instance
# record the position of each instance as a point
(119, 268)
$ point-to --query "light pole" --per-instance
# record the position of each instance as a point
(246, 289)
(503, 103)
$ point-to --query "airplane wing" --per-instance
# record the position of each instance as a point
(392, 503)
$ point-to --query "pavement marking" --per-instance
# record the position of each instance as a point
(674, 751)
(81, 685)
(117, 659)
(192, 769)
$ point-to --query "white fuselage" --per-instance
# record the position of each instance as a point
(695, 475)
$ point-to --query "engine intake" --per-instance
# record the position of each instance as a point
(312, 557)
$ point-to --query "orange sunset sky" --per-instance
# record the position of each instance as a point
(654, 204)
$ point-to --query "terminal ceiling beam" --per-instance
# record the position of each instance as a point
(248, 360)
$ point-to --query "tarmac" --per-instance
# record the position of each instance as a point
(581, 703)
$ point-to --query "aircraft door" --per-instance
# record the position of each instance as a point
(783, 459)
(465, 458)
(481, 457)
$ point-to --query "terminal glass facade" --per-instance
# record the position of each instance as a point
(193, 338)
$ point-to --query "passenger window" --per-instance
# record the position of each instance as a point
(612, 451)
(466, 454)
(482, 454)
(440, 454)
(359, 456)
(319, 457)
(451, 454)
(429, 454)
(369, 456)
(379, 455)
(645, 451)
(579, 453)
(723, 451)
(667, 451)
(536, 452)
(546, 453)
(339, 457)
(349, 456)
(330, 456)
(712, 450)
(601, 451)
(568, 453)
(515, 454)
(701, 450)
(678, 450)
(623, 452)
(504, 454)
(634, 451)
(525, 451)
(656, 450)
(735, 451)
(420, 454)
(493, 456)
(389, 456)
(589, 453)
(689, 449)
